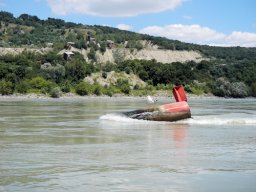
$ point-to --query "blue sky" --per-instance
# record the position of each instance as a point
(212, 22)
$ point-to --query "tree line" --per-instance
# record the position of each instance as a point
(40, 73)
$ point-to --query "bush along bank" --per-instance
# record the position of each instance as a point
(50, 74)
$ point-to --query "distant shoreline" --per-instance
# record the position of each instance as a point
(75, 96)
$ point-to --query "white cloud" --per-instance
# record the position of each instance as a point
(242, 38)
(124, 27)
(112, 8)
(202, 35)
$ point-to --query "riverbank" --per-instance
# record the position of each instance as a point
(158, 96)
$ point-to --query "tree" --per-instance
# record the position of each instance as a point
(224, 88)
(239, 90)
(7, 17)
(76, 70)
(56, 73)
(221, 88)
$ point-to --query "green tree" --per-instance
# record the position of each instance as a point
(76, 70)
(55, 73)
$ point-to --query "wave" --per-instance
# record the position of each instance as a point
(195, 120)
(118, 117)
(210, 120)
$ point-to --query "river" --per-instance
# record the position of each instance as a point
(84, 144)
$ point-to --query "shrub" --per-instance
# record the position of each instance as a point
(6, 87)
(123, 85)
(221, 88)
(84, 88)
(127, 70)
(97, 90)
(188, 88)
(22, 87)
(111, 90)
(121, 82)
(41, 84)
(224, 88)
(11, 77)
(55, 73)
(92, 54)
(149, 87)
(125, 88)
(108, 93)
(196, 90)
(102, 47)
(55, 92)
(239, 90)
(104, 75)
(136, 87)
(253, 87)
(38, 83)
(66, 87)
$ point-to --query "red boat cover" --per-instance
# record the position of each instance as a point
(179, 93)
(175, 107)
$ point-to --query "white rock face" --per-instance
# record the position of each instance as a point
(112, 55)
(163, 56)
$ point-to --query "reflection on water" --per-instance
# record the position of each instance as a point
(73, 145)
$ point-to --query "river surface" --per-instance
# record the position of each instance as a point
(84, 144)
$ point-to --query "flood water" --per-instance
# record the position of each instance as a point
(85, 145)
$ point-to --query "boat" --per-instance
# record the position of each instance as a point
(178, 110)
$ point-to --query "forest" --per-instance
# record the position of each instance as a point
(228, 71)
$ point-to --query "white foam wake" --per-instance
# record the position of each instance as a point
(209, 120)
(195, 120)
(117, 117)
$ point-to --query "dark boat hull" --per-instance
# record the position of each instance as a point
(155, 115)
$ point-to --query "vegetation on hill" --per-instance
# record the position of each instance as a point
(228, 71)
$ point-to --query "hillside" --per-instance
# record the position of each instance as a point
(31, 48)
(30, 31)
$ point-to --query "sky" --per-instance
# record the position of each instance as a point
(211, 22)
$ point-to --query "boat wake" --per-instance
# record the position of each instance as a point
(118, 117)
(195, 120)
(210, 120)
